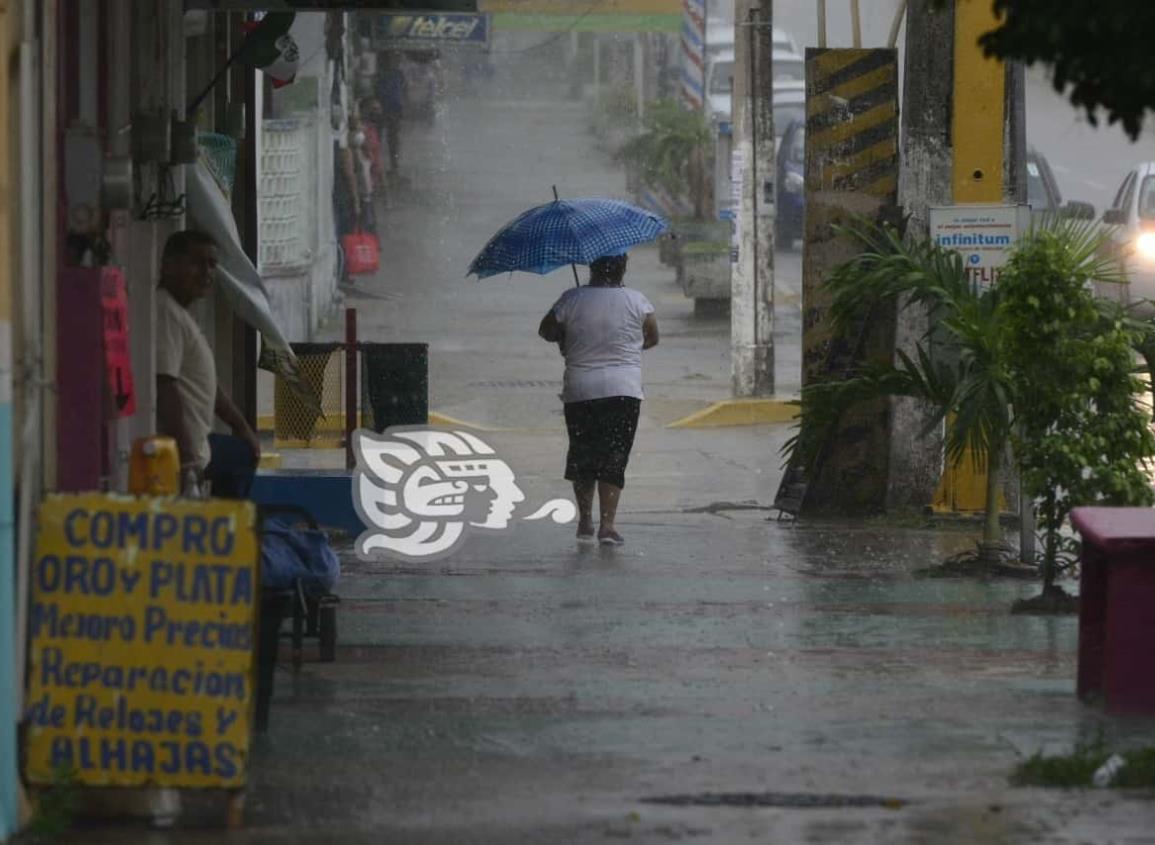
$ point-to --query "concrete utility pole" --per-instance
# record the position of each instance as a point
(924, 181)
(752, 273)
(964, 142)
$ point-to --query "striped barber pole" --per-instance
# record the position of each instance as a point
(661, 202)
(693, 53)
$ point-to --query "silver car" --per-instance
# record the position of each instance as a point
(1132, 213)
(789, 89)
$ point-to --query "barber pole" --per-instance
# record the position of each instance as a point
(694, 53)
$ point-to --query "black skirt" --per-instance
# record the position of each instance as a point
(601, 435)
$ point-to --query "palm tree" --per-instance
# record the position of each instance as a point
(672, 152)
(963, 374)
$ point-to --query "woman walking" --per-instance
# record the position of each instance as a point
(601, 329)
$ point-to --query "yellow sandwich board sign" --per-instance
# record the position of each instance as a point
(142, 641)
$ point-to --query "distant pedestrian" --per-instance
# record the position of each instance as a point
(601, 329)
(362, 175)
(371, 125)
(392, 94)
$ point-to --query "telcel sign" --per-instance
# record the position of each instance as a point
(431, 29)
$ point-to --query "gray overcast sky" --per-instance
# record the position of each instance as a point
(800, 17)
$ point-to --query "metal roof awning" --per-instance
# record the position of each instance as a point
(242, 284)
(238, 278)
(525, 15)
(584, 16)
(587, 23)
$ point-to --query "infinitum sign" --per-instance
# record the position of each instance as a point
(982, 234)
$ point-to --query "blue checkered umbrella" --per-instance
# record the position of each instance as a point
(570, 231)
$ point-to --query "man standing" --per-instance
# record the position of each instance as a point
(187, 395)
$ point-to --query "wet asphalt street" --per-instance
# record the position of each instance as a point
(528, 690)
(483, 162)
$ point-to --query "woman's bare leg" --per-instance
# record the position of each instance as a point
(608, 497)
(583, 491)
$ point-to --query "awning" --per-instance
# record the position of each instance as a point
(587, 23)
(585, 16)
(238, 278)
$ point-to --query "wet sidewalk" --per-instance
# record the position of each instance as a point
(528, 690)
(532, 690)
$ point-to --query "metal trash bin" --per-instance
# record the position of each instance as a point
(1116, 602)
(296, 425)
(395, 384)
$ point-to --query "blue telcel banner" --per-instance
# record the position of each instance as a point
(433, 28)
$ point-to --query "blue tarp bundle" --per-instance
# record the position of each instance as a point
(289, 552)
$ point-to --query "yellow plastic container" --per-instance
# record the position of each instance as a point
(154, 469)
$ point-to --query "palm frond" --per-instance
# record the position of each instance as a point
(888, 269)
(1087, 242)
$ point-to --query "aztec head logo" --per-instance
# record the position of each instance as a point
(419, 491)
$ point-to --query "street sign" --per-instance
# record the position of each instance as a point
(737, 177)
(983, 234)
(142, 641)
(432, 29)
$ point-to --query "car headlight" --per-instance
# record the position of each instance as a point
(1145, 246)
(794, 183)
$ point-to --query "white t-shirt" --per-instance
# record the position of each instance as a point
(603, 341)
(183, 353)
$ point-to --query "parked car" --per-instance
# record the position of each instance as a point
(1132, 213)
(789, 106)
(720, 84)
(790, 185)
(789, 91)
(1043, 194)
(720, 39)
(788, 65)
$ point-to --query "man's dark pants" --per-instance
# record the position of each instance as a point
(232, 467)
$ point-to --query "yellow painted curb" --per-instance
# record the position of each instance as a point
(333, 424)
(322, 442)
(734, 412)
(270, 460)
(450, 422)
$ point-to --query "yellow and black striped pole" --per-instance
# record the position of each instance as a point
(851, 170)
(851, 167)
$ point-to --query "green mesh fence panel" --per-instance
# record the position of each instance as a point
(219, 153)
